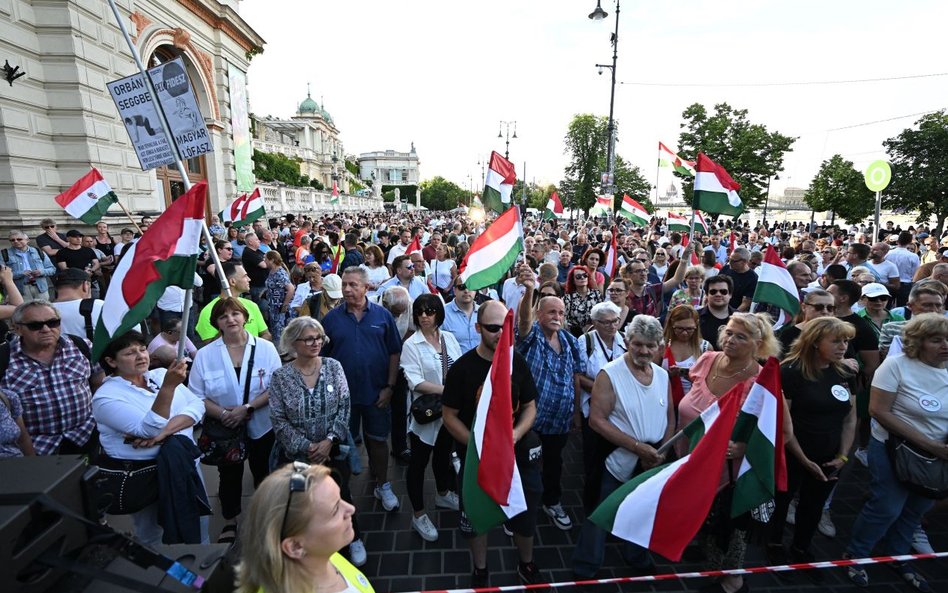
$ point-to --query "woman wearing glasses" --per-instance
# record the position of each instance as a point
(426, 357)
(683, 337)
(232, 375)
(309, 408)
(579, 299)
(817, 303)
(296, 525)
(618, 291)
(693, 293)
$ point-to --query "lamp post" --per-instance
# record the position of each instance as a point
(501, 132)
(767, 197)
(597, 15)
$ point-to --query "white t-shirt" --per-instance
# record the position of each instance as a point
(921, 397)
(72, 321)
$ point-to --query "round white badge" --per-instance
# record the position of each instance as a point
(929, 403)
(329, 388)
(840, 393)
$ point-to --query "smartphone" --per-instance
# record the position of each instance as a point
(833, 474)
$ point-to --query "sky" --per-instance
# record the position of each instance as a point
(444, 74)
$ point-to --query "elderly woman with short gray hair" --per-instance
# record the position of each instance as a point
(631, 409)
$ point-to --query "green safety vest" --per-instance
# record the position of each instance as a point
(353, 575)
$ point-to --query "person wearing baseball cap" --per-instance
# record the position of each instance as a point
(876, 298)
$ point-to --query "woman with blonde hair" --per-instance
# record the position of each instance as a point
(822, 407)
(296, 525)
(280, 293)
(683, 337)
(693, 292)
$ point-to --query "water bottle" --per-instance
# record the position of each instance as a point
(456, 462)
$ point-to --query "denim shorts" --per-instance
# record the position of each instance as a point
(375, 422)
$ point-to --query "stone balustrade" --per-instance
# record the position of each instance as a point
(281, 199)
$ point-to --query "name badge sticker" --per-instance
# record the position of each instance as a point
(929, 403)
(840, 393)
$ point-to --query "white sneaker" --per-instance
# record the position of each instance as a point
(792, 512)
(825, 525)
(863, 456)
(448, 501)
(357, 552)
(388, 498)
(920, 542)
(559, 516)
(425, 528)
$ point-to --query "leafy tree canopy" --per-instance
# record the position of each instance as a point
(919, 159)
(840, 189)
(440, 194)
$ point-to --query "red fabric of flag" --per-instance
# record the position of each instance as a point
(678, 389)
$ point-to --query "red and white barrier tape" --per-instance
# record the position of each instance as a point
(705, 573)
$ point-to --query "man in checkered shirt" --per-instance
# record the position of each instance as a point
(54, 380)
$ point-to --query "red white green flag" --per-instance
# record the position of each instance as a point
(701, 225)
(634, 211)
(678, 223)
(763, 471)
(677, 387)
(602, 207)
(611, 268)
(334, 199)
(663, 508)
(715, 191)
(775, 287)
(414, 246)
(491, 483)
(667, 158)
(244, 210)
(494, 251)
(498, 185)
(166, 255)
(554, 207)
(89, 198)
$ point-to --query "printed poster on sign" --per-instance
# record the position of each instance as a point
(143, 124)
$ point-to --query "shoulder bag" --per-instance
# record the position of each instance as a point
(919, 471)
(426, 408)
(221, 445)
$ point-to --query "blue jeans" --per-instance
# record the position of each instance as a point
(890, 515)
(591, 547)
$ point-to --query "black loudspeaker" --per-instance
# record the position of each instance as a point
(29, 531)
(208, 561)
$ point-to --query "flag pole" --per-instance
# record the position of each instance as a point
(658, 170)
(166, 130)
(129, 215)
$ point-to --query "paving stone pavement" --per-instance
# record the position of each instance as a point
(399, 560)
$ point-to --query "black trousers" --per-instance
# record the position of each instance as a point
(813, 495)
(440, 466)
(553, 445)
(230, 488)
(400, 414)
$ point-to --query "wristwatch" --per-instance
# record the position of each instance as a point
(250, 409)
(333, 438)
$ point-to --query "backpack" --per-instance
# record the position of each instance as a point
(85, 309)
(5, 353)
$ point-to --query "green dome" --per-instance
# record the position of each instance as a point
(326, 116)
(308, 105)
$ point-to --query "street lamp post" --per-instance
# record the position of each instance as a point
(597, 15)
(501, 132)
(767, 197)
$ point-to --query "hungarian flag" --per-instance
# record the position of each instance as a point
(731, 243)
(493, 491)
(337, 258)
(678, 223)
(494, 251)
(715, 191)
(335, 194)
(775, 287)
(553, 207)
(603, 206)
(611, 268)
(166, 255)
(663, 508)
(499, 183)
(678, 389)
(763, 471)
(667, 158)
(414, 246)
(701, 226)
(244, 210)
(89, 198)
(634, 211)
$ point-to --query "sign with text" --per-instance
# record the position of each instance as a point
(140, 115)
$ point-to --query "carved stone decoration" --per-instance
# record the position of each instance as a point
(141, 23)
(181, 38)
(200, 59)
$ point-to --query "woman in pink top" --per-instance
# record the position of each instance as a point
(745, 339)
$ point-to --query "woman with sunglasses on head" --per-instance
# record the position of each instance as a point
(579, 299)
(309, 408)
(426, 357)
(297, 522)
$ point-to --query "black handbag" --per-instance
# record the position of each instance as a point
(127, 485)
(426, 408)
(919, 471)
(219, 444)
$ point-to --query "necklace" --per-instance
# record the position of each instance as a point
(315, 370)
(719, 376)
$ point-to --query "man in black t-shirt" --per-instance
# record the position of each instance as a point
(51, 240)
(77, 256)
(717, 311)
(462, 388)
(743, 278)
(256, 266)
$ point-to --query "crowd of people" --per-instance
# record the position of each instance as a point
(313, 339)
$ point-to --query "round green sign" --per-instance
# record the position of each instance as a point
(878, 175)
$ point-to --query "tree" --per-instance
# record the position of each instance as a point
(629, 180)
(441, 194)
(749, 152)
(919, 159)
(537, 195)
(840, 189)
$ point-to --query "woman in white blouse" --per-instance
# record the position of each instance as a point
(378, 272)
(311, 286)
(443, 270)
(136, 409)
(426, 357)
(232, 375)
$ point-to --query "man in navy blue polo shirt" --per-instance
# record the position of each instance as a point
(363, 337)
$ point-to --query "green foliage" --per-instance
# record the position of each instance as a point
(919, 159)
(441, 194)
(352, 167)
(537, 195)
(629, 180)
(388, 196)
(277, 167)
(750, 152)
(316, 184)
(355, 186)
(839, 188)
(406, 192)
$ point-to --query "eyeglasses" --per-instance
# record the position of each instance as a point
(580, 276)
(460, 286)
(822, 307)
(298, 483)
(616, 290)
(492, 328)
(721, 291)
(173, 331)
(685, 330)
(737, 260)
(639, 271)
(311, 340)
(614, 321)
(428, 312)
(547, 294)
(35, 326)
(641, 260)
(877, 299)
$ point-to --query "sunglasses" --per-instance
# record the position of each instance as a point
(36, 326)
(877, 299)
(492, 328)
(428, 312)
(721, 291)
(227, 249)
(298, 483)
(822, 307)
(49, 226)
(580, 276)
(460, 287)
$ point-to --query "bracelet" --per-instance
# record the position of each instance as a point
(842, 458)
(223, 413)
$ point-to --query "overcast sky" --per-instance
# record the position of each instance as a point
(443, 74)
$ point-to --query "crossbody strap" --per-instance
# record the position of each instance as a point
(444, 360)
(247, 377)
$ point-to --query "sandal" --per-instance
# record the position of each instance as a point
(856, 573)
(228, 534)
(911, 577)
